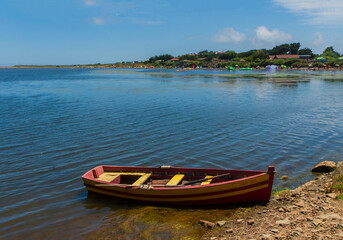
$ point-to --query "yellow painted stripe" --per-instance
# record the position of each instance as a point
(180, 199)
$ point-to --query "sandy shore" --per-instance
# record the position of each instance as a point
(311, 211)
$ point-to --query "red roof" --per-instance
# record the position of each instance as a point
(286, 56)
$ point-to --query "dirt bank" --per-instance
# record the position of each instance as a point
(312, 211)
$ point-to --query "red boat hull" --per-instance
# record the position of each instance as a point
(255, 187)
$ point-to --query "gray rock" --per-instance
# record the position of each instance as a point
(324, 167)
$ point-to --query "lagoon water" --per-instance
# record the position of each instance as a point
(56, 124)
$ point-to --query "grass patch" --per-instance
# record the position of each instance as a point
(280, 191)
(337, 186)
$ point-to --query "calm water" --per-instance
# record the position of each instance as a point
(55, 124)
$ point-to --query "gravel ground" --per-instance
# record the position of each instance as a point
(311, 211)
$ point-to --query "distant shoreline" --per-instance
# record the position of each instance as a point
(164, 68)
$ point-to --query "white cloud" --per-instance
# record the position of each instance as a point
(98, 20)
(90, 2)
(228, 35)
(274, 36)
(319, 41)
(316, 11)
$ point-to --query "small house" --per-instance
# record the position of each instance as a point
(285, 56)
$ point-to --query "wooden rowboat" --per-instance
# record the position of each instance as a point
(181, 186)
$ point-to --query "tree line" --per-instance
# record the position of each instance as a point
(251, 58)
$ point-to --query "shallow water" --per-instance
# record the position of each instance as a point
(55, 124)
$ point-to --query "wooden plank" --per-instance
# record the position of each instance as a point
(208, 180)
(176, 179)
(142, 179)
(108, 177)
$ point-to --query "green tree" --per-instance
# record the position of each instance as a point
(188, 57)
(260, 54)
(280, 49)
(163, 57)
(330, 52)
(306, 51)
(228, 55)
(294, 48)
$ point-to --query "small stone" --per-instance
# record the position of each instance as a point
(221, 223)
(239, 221)
(316, 222)
(207, 224)
(309, 219)
(281, 210)
(331, 195)
(266, 237)
(333, 216)
(295, 234)
(300, 203)
(324, 167)
(251, 222)
(274, 230)
(304, 212)
(340, 235)
(284, 178)
(284, 222)
(230, 230)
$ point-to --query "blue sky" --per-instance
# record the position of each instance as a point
(107, 31)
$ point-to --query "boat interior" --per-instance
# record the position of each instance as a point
(167, 176)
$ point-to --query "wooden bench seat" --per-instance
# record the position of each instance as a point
(208, 181)
(142, 179)
(176, 179)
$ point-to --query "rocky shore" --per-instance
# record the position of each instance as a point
(312, 211)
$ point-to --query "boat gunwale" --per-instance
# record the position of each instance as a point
(166, 188)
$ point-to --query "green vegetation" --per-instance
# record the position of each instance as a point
(338, 186)
(302, 57)
(280, 191)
